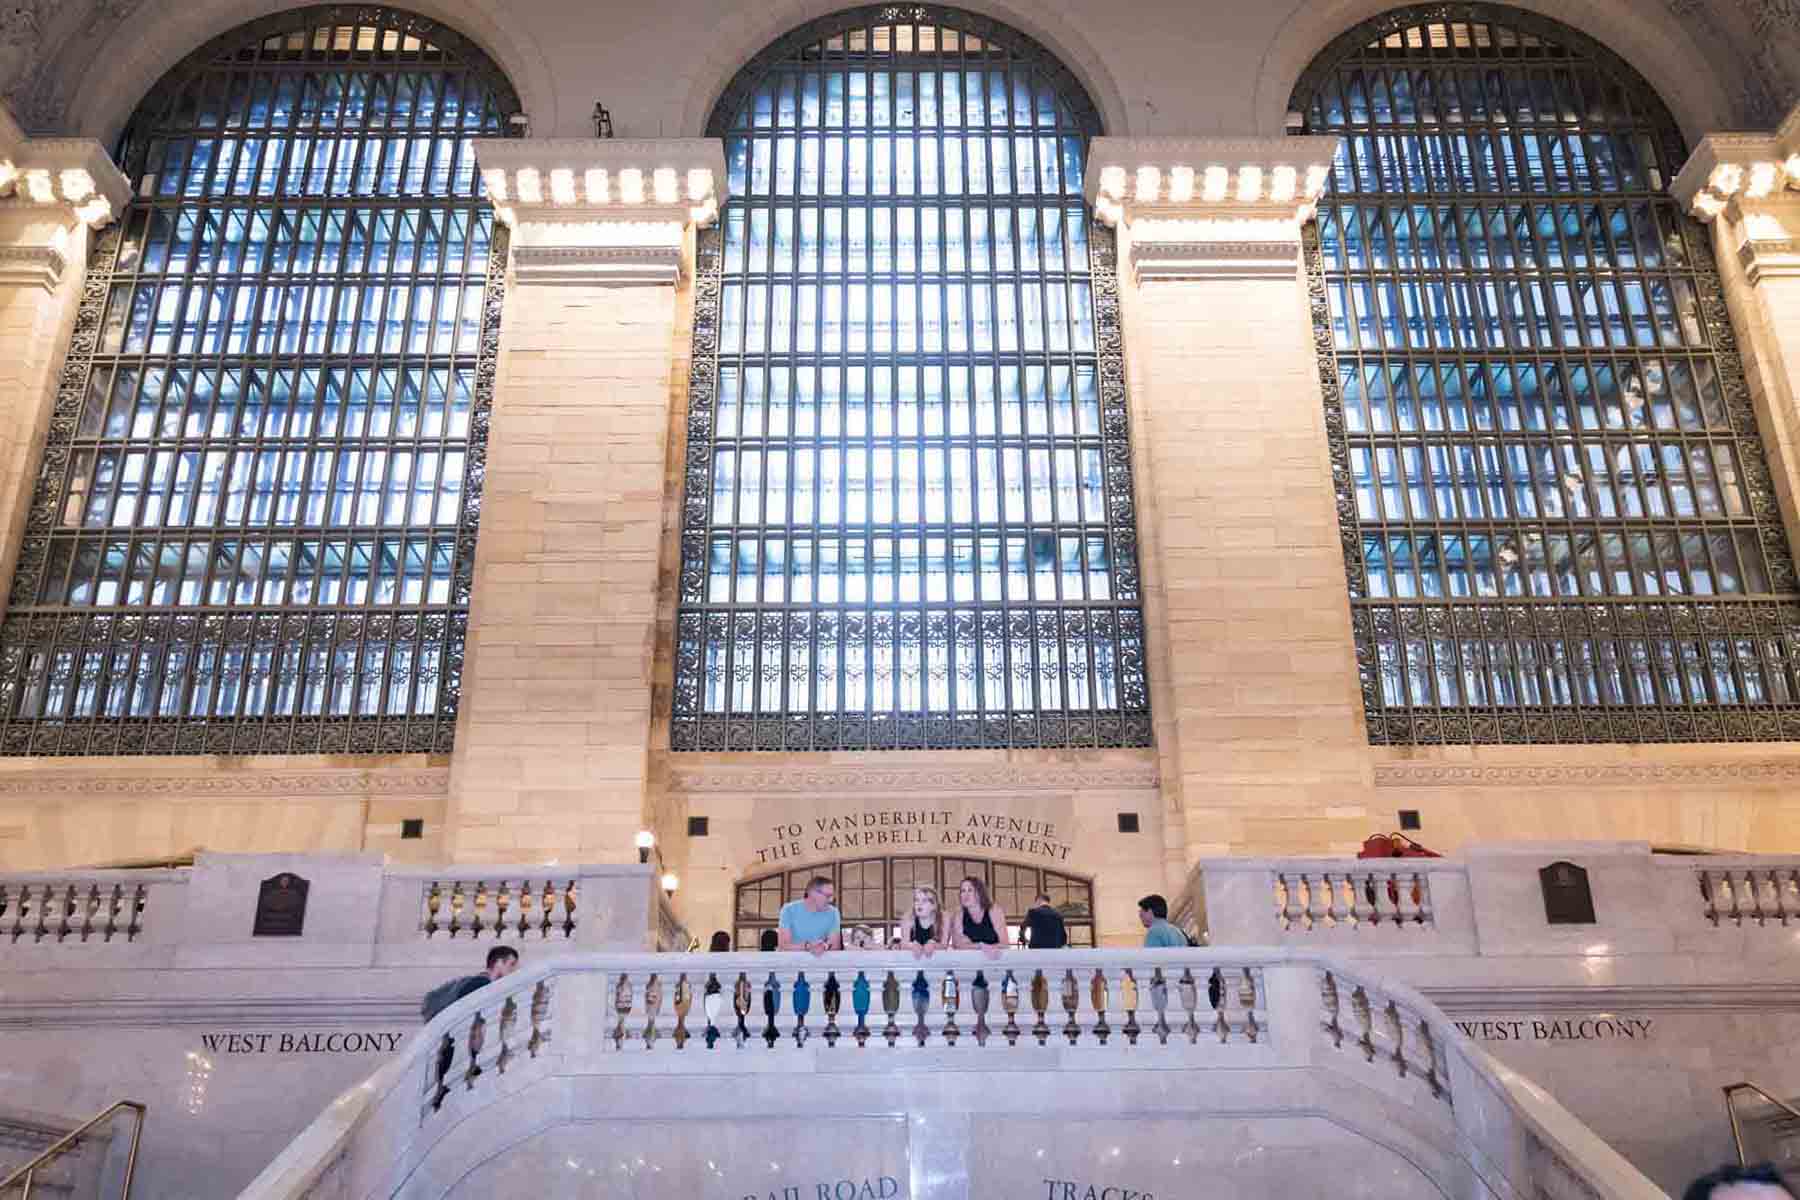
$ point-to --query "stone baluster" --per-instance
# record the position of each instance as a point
(540, 1018)
(890, 1005)
(1071, 1004)
(1128, 1000)
(1394, 1029)
(1752, 891)
(477, 1042)
(802, 992)
(503, 897)
(484, 899)
(684, 1002)
(457, 902)
(1318, 900)
(67, 903)
(509, 1020)
(1287, 900)
(771, 1006)
(1218, 999)
(1386, 898)
(1362, 898)
(1100, 996)
(1430, 1058)
(1009, 1004)
(1362, 1023)
(712, 1003)
(1189, 992)
(621, 1007)
(859, 1004)
(653, 999)
(740, 1004)
(952, 999)
(433, 902)
(833, 1003)
(1329, 1009)
(1787, 892)
(568, 898)
(9, 910)
(1040, 1004)
(978, 1003)
(1249, 1001)
(1409, 893)
(1159, 1003)
(920, 991)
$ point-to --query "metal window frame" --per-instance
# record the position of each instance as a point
(122, 633)
(693, 728)
(1768, 622)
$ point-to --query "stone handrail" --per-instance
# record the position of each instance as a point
(1370, 904)
(77, 907)
(1746, 891)
(705, 1017)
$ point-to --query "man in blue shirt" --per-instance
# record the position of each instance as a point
(1153, 912)
(811, 923)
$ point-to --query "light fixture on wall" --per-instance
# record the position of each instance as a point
(602, 121)
(645, 841)
(518, 125)
(670, 884)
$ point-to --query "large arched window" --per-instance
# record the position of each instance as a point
(254, 525)
(909, 517)
(1558, 521)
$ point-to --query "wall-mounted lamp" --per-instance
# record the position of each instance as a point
(518, 125)
(645, 842)
(602, 121)
(670, 883)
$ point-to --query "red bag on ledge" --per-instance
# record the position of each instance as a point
(1393, 845)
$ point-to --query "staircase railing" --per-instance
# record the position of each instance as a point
(1731, 1091)
(26, 1175)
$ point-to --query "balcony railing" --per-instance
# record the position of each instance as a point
(705, 1020)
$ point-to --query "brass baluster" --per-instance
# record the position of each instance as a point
(684, 1000)
(1009, 1004)
(890, 1004)
(1128, 997)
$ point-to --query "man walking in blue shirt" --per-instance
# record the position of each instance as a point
(1153, 912)
(811, 923)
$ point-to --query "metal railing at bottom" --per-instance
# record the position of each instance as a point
(26, 1175)
(1789, 1118)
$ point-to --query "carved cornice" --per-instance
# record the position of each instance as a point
(426, 781)
(1513, 775)
(615, 265)
(73, 174)
(1209, 208)
(1740, 170)
(31, 266)
(851, 779)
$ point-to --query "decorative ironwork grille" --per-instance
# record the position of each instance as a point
(877, 894)
(1558, 522)
(254, 526)
(909, 517)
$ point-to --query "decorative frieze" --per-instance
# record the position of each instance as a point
(922, 778)
(209, 784)
(1752, 180)
(601, 211)
(1194, 208)
(1513, 775)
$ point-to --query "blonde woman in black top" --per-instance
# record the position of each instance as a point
(926, 933)
(980, 925)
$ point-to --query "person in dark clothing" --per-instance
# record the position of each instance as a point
(768, 941)
(1739, 1183)
(721, 942)
(501, 962)
(981, 925)
(1044, 928)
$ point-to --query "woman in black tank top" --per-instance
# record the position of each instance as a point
(981, 924)
(925, 932)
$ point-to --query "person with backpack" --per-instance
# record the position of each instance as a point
(501, 962)
(1153, 914)
(1044, 928)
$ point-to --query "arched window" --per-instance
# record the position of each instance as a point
(1557, 518)
(254, 526)
(909, 516)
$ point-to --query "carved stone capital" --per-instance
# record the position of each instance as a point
(1209, 208)
(1740, 170)
(601, 211)
(72, 177)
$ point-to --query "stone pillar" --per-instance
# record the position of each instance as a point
(1747, 186)
(1259, 716)
(553, 733)
(53, 193)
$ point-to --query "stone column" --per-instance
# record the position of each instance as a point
(1747, 187)
(553, 733)
(1252, 661)
(54, 192)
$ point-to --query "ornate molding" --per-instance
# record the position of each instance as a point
(1218, 208)
(616, 264)
(31, 266)
(426, 781)
(838, 781)
(71, 174)
(1514, 775)
(1740, 171)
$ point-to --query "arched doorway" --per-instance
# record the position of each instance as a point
(877, 893)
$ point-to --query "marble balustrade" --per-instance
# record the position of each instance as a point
(691, 1025)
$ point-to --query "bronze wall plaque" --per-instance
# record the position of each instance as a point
(1568, 900)
(280, 906)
